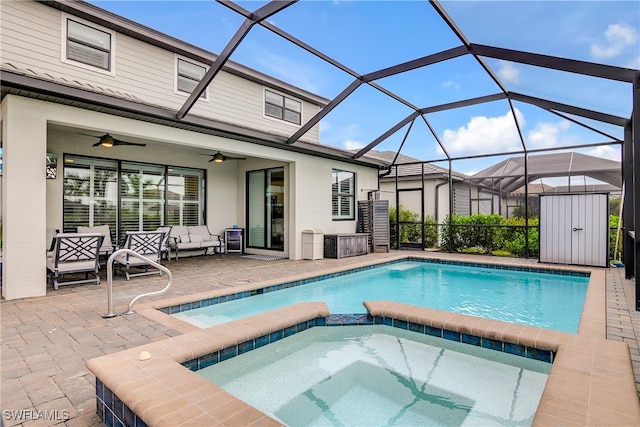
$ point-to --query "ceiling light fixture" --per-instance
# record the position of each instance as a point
(107, 141)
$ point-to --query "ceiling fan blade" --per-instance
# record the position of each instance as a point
(234, 158)
(120, 142)
(96, 144)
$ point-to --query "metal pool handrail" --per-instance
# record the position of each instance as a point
(130, 310)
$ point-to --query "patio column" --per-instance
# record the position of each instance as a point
(24, 140)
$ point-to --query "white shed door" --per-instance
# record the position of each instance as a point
(574, 229)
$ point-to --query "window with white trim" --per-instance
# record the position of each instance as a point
(88, 45)
(188, 75)
(130, 196)
(342, 194)
(282, 107)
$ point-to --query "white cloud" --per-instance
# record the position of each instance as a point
(351, 144)
(546, 135)
(606, 152)
(618, 37)
(508, 72)
(485, 135)
(451, 83)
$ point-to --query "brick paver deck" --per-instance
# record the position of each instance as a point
(46, 341)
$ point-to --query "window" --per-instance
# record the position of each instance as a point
(88, 45)
(283, 108)
(149, 196)
(188, 76)
(90, 193)
(342, 194)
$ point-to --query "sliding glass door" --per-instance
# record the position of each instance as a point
(265, 209)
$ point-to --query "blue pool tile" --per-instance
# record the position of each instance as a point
(301, 327)
(471, 339)
(208, 360)
(108, 397)
(416, 327)
(451, 335)
(108, 417)
(321, 321)
(128, 416)
(542, 355)
(246, 346)
(118, 407)
(276, 336)
(518, 350)
(99, 389)
(140, 423)
(402, 324)
(289, 331)
(491, 344)
(100, 408)
(434, 332)
(378, 320)
(229, 352)
(262, 341)
(191, 364)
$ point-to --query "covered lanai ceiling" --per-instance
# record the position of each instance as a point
(438, 81)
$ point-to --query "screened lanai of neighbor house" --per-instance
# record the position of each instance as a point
(272, 121)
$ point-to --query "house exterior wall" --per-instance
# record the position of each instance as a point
(31, 203)
(33, 38)
(434, 198)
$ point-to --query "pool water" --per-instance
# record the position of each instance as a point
(538, 299)
(379, 375)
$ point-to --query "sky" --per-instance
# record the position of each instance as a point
(367, 36)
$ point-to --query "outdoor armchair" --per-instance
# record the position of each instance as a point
(107, 247)
(145, 243)
(74, 253)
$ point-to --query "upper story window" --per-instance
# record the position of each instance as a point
(89, 45)
(343, 185)
(188, 75)
(282, 107)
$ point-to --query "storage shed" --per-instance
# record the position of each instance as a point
(574, 229)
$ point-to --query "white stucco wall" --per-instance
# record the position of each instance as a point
(31, 203)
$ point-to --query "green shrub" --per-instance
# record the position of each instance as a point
(410, 228)
(613, 230)
(489, 233)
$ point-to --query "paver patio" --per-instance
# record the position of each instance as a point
(46, 341)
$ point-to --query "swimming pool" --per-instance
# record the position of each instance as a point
(534, 297)
(380, 375)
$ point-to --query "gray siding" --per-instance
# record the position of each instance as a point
(32, 40)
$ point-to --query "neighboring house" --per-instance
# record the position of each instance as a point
(74, 76)
(427, 185)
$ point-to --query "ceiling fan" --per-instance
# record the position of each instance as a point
(108, 141)
(219, 157)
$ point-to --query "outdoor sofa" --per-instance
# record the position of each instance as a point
(194, 239)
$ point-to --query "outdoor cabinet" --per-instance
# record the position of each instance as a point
(345, 245)
(234, 240)
(574, 229)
